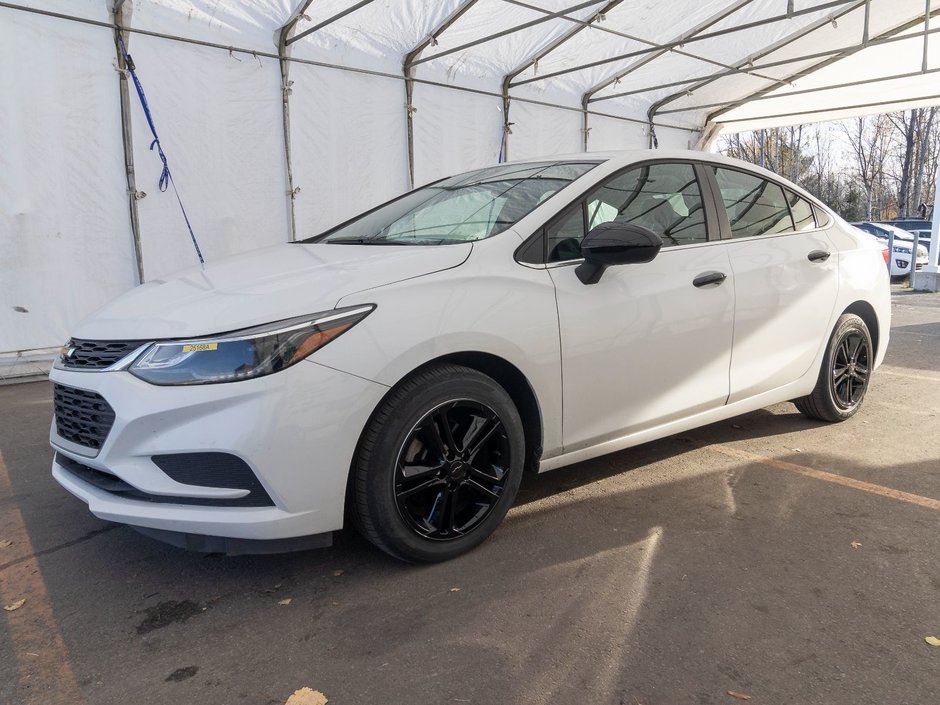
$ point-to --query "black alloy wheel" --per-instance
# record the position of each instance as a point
(844, 375)
(438, 465)
(850, 369)
(452, 469)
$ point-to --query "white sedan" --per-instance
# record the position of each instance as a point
(403, 369)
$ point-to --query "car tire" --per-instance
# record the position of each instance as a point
(844, 375)
(438, 465)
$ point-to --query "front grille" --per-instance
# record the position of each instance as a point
(81, 416)
(97, 354)
(116, 486)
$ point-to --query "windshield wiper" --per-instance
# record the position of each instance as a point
(363, 241)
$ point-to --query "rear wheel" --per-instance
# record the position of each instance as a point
(845, 373)
(438, 466)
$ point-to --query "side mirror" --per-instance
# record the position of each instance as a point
(615, 243)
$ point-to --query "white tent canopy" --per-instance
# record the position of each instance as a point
(282, 117)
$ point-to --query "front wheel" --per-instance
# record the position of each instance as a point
(845, 373)
(438, 465)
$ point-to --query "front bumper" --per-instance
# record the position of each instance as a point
(296, 429)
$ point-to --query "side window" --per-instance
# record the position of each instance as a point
(662, 197)
(801, 211)
(754, 206)
(822, 218)
(565, 236)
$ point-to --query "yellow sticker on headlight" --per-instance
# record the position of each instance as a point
(200, 347)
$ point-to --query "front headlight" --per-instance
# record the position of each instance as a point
(244, 354)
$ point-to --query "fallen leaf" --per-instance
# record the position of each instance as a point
(932, 640)
(306, 696)
(337, 573)
(739, 696)
(15, 606)
(796, 450)
(285, 601)
(5, 543)
(455, 589)
(856, 544)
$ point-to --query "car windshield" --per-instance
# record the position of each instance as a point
(462, 208)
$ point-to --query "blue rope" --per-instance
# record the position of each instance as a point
(166, 178)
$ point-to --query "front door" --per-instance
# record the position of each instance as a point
(644, 345)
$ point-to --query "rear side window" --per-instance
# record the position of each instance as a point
(662, 197)
(755, 206)
(801, 211)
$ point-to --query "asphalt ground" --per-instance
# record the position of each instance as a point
(770, 556)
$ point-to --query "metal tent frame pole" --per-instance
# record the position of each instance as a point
(283, 42)
(749, 60)
(408, 70)
(676, 45)
(682, 38)
(763, 92)
(928, 279)
(120, 19)
(761, 67)
(858, 106)
(805, 91)
(325, 23)
(560, 14)
(229, 49)
(508, 79)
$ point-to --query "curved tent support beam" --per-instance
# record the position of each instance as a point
(684, 37)
(325, 23)
(548, 16)
(676, 45)
(678, 41)
(749, 60)
(529, 63)
(408, 69)
(283, 37)
(120, 20)
(867, 42)
(763, 92)
(807, 91)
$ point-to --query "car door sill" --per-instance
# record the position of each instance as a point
(790, 391)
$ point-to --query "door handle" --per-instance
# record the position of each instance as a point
(818, 256)
(710, 279)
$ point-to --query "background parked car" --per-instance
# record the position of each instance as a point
(903, 246)
(908, 224)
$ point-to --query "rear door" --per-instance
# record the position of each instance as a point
(645, 345)
(786, 280)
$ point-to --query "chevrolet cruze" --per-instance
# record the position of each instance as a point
(402, 370)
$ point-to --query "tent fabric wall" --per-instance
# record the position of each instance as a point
(65, 239)
(454, 131)
(347, 144)
(213, 73)
(218, 117)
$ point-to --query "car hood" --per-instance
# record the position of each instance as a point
(261, 286)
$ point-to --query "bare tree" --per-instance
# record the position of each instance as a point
(868, 138)
(926, 167)
(906, 125)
